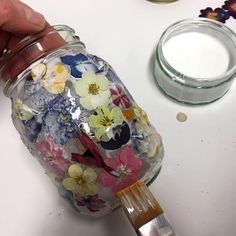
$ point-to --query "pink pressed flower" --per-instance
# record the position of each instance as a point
(52, 156)
(127, 165)
(119, 98)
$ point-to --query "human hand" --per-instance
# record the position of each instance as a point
(17, 20)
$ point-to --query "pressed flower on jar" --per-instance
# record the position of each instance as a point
(119, 97)
(121, 135)
(81, 181)
(51, 77)
(104, 120)
(60, 118)
(21, 111)
(32, 128)
(141, 115)
(146, 140)
(128, 114)
(127, 165)
(79, 64)
(93, 203)
(52, 156)
(93, 90)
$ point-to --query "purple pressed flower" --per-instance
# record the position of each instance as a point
(230, 6)
(93, 203)
(121, 136)
(218, 14)
(79, 64)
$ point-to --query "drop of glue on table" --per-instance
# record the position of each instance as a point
(197, 55)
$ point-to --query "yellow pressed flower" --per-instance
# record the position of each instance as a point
(38, 72)
(52, 78)
(141, 115)
(104, 121)
(81, 181)
(21, 111)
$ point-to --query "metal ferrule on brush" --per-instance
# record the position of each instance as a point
(158, 226)
(144, 212)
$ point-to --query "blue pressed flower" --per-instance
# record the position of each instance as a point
(32, 129)
(79, 64)
(36, 96)
(145, 139)
(121, 135)
(31, 87)
(105, 68)
(60, 118)
(101, 65)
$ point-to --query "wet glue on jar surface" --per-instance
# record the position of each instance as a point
(195, 61)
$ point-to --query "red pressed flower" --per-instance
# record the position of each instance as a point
(230, 6)
(119, 98)
(92, 157)
(218, 14)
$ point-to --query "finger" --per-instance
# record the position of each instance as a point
(48, 41)
(12, 42)
(18, 18)
(4, 39)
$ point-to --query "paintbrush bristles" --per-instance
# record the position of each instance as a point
(139, 204)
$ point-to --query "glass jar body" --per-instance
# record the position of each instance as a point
(78, 119)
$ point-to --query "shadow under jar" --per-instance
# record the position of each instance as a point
(78, 119)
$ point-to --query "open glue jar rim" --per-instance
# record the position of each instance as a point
(195, 82)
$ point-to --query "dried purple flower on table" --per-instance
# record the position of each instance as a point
(230, 6)
(218, 14)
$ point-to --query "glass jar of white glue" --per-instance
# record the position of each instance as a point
(195, 60)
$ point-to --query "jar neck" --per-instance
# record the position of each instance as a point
(31, 49)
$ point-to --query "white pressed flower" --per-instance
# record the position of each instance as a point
(93, 90)
(21, 111)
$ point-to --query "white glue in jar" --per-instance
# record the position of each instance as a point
(195, 60)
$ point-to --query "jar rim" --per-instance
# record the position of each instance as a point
(32, 48)
(30, 39)
(189, 81)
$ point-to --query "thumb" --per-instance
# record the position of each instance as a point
(18, 18)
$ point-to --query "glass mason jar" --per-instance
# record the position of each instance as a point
(78, 119)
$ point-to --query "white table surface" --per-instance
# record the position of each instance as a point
(197, 184)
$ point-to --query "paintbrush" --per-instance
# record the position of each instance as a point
(144, 211)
